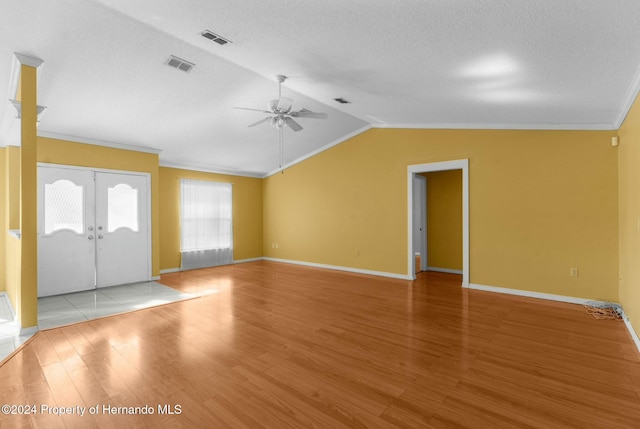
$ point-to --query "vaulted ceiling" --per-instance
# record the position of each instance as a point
(514, 64)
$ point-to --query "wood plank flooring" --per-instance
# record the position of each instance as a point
(272, 345)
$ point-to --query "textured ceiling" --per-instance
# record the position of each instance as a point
(569, 64)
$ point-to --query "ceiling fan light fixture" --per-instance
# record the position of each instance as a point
(281, 113)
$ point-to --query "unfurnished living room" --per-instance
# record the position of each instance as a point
(287, 214)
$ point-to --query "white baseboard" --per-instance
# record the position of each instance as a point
(530, 294)
(14, 322)
(242, 261)
(552, 297)
(239, 261)
(6, 302)
(632, 331)
(444, 270)
(155, 278)
(312, 264)
(28, 331)
(341, 268)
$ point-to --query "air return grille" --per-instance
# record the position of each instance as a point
(214, 37)
(179, 63)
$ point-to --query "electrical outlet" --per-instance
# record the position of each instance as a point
(573, 272)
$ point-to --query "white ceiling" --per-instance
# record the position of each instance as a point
(545, 64)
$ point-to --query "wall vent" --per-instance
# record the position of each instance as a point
(214, 37)
(179, 63)
(342, 101)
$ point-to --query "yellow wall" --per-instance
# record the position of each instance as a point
(27, 308)
(11, 208)
(70, 153)
(247, 214)
(541, 202)
(12, 275)
(444, 219)
(629, 214)
(12, 198)
(3, 219)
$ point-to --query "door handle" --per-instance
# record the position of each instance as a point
(90, 237)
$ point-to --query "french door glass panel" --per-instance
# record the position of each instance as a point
(63, 207)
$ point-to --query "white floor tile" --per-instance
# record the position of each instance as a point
(6, 348)
(54, 311)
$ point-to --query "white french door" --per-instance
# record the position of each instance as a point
(122, 245)
(66, 237)
(93, 229)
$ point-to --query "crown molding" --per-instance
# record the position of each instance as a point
(18, 106)
(84, 140)
(209, 169)
(604, 126)
(629, 98)
(14, 77)
(27, 60)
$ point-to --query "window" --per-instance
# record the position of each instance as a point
(122, 208)
(63, 207)
(205, 223)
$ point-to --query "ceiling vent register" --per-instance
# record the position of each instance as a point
(180, 64)
(214, 37)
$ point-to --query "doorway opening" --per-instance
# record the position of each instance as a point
(416, 238)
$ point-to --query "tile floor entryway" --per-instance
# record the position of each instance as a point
(55, 311)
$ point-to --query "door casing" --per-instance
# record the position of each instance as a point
(420, 220)
(412, 170)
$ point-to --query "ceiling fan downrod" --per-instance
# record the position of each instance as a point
(280, 78)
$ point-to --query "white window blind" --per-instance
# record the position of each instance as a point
(206, 227)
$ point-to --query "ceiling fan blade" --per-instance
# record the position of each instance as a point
(304, 113)
(284, 104)
(254, 110)
(261, 121)
(292, 124)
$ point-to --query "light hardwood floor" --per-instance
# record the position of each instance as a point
(280, 346)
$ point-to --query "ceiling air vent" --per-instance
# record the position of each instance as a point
(215, 38)
(179, 63)
(342, 101)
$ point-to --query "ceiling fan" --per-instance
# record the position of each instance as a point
(281, 111)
